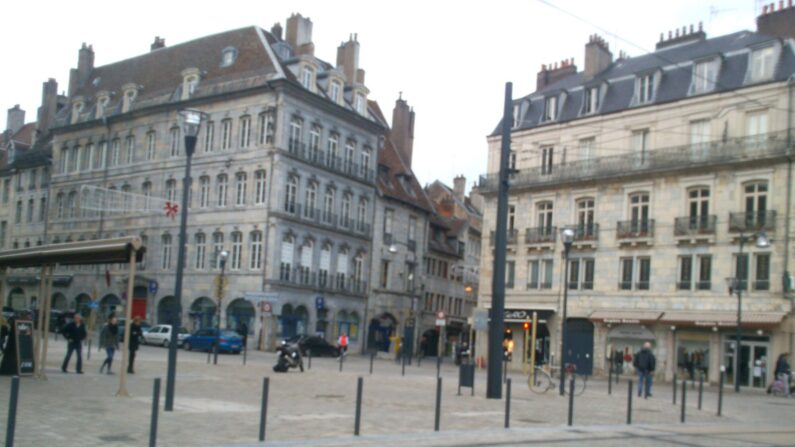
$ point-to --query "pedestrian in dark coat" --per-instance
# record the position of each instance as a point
(644, 364)
(74, 333)
(109, 340)
(242, 330)
(136, 334)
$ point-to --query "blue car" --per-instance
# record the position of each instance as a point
(204, 340)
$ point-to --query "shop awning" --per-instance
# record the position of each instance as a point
(722, 319)
(622, 316)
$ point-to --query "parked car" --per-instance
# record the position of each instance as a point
(161, 335)
(314, 346)
(204, 339)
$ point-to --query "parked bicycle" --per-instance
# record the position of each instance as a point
(540, 381)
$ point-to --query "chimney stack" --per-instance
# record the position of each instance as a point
(402, 132)
(158, 43)
(15, 119)
(49, 105)
(685, 36)
(597, 56)
(348, 59)
(777, 22)
(276, 30)
(85, 64)
(299, 35)
(550, 74)
(459, 187)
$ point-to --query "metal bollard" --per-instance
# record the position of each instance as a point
(372, 357)
(357, 423)
(684, 396)
(403, 366)
(571, 401)
(342, 359)
(504, 371)
(209, 351)
(673, 384)
(508, 404)
(245, 350)
(88, 354)
(700, 390)
(437, 419)
(155, 412)
(438, 365)
(610, 380)
(629, 403)
(308, 359)
(263, 414)
(12, 411)
(720, 393)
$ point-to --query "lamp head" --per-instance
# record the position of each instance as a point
(762, 240)
(393, 248)
(567, 234)
(191, 120)
(224, 254)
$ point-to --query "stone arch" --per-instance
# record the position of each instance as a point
(59, 302)
(16, 299)
(109, 304)
(238, 312)
(167, 310)
(81, 304)
(202, 313)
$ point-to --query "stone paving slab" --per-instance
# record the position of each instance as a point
(219, 405)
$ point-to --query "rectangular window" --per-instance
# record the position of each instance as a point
(42, 209)
(685, 273)
(644, 274)
(222, 186)
(32, 179)
(574, 274)
(240, 189)
(86, 157)
(547, 282)
(129, 144)
(588, 274)
(201, 250)
(204, 192)
(704, 272)
(516, 109)
(245, 131)
(533, 274)
(741, 270)
(3, 233)
(175, 141)
(209, 136)
(586, 148)
(259, 189)
(640, 145)
(151, 141)
(389, 216)
(166, 258)
(334, 93)
(412, 232)
(645, 89)
(547, 157)
(237, 251)
(31, 207)
(756, 126)
(256, 251)
(762, 278)
(6, 190)
(384, 283)
(218, 247)
(510, 274)
(626, 274)
(18, 214)
(265, 128)
(115, 152)
(700, 136)
(591, 100)
(226, 134)
(705, 76)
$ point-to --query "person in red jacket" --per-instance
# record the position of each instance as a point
(342, 342)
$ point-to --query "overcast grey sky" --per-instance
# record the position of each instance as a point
(450, 59)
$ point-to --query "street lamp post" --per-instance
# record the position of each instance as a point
(736, 284)
(191, 120)
(220, 291)
(408, 331)
(568, 237)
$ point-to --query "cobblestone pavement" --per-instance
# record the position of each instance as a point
(220, 404)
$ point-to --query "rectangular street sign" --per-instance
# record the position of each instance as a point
(440, 322)
(481, 317)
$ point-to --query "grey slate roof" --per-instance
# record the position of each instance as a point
(675, 81)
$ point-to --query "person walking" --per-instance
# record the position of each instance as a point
(644, 364)
(136, 334)
(242, 330)
(342, 342)
(109, 340)
(74, 333)
(782, 372)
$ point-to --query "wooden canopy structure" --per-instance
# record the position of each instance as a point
(123, 250)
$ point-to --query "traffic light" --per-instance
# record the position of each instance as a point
(526, 326)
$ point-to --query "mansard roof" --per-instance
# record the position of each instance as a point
(674, 65)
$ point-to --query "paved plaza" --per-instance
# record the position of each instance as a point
(219, 405)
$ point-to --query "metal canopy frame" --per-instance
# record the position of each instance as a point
(121, 250)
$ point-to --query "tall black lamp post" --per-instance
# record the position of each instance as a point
(191, 120)
(221, 285)
(567, 234)
(736, 285)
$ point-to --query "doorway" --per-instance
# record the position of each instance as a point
(753, 361)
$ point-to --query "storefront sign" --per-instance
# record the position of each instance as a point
(713, 323)
(621, 321)
(521, 315)
(634, 332)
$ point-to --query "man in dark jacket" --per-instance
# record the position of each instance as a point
(75, 333)
(644, 364)
(136, 334)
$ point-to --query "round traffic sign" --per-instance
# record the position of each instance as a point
(440, 315)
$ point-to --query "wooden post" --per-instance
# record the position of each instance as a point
(47, 307)
(39, 333)
(125, 353)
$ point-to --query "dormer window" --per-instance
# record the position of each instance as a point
(335, 91)
(517, 108)
(103, 98)
(308, 77)
(128, 97)
(762, 63)
(228, 56)
(551, 108)
(360, 103)
(591, 100)
(705, 76)
(645, 89)
(77, 109)
(190, 80)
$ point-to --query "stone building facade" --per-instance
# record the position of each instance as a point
(283, 179)
(660, 165)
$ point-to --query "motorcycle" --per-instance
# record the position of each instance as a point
(289, 357)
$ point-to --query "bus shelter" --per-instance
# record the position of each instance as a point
(124, 250)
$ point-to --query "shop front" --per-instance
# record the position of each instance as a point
(707, 341)
(625, 333)
(515, 335)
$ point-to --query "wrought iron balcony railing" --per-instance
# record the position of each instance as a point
(721, 152)
(585, 232)
(510, 237)
(695, 225)
(538, 235)
(751, 221)
(634, 229)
